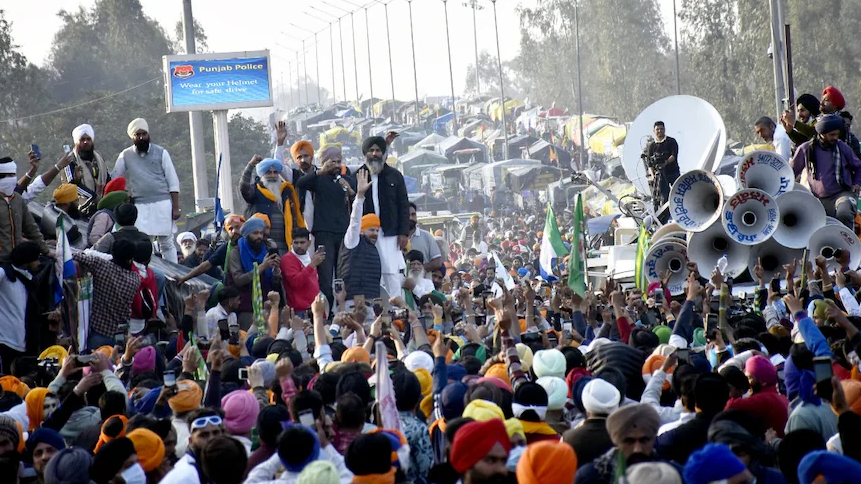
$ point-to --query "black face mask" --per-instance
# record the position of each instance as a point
(142, 146)
(413, 224)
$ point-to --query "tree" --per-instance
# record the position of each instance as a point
(200, 39)
(488, 74)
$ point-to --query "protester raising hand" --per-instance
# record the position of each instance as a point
(694, 288)
(793, 304)
(363, 183)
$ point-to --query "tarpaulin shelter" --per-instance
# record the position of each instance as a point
(517, 143)
(535, 177)
(606, 139)
(440, 124)
(427, 203)
(549, 153)
(453, 143)
(430, 142)
(494, 174)
(417, 158)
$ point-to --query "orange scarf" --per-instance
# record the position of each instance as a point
(289, 215)
(537, 428)
(439, 423)
(387, 478)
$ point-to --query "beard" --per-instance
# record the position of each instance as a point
(274, 187)
(187, 251)
(417, 274)
(142, 146)
(74, 212)
(478, 478)
(256, 244)
(413, 225)
(375, 164)
(89, 155)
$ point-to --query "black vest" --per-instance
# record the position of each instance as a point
(360, 269)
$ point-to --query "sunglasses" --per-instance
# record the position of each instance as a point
(201, 422)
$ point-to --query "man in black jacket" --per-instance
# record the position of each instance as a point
(332, 197)
(389, 201)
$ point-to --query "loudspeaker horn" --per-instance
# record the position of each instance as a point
(766, 171)
(695, 200)
(668, 255)
(833, 221)
(801, 214)
(728, 184)
(707, 247)
(832, 237)
(671, 229)
(750, 216)
(774, 256)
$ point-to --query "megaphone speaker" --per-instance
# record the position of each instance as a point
(766, 171)
(707, 247)
(827, 240)
(750, 216)
(695, 200)
(801, 215)
(668, 255)
(773, 256)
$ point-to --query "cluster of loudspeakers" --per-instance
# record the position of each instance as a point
(761, 214)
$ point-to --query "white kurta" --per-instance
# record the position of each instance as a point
(156, 218)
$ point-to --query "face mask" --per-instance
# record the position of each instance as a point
(8, 184)
(134, 475)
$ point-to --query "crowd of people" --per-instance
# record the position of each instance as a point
(345, 343)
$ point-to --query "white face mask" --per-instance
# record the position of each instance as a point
(134, 474)
(7, 185)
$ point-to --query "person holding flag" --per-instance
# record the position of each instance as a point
(577, 262)
(552, 246)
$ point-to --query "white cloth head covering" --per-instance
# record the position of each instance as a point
(84, 129)
(136, 125)
(652, 472)
(419, 359)
(557, 391)
(549, 363)
(185, 236)
(601, 397)
(8, 167)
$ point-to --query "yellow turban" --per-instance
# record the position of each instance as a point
(299, 146)
(525, 354)
(55, 351)
(514, 427)
(66, 193)
(369, 221)
(500, 371)
(187, 398)
(234, 219)
(35, 400)
(425, 380)
(426, 406)
(11, 384)
(482, 410)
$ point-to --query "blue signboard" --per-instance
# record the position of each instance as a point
(217, 81)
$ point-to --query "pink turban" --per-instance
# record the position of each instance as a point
(762, 369)
(240, 412)
(144, 360)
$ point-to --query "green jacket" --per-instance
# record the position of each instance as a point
(17, 224)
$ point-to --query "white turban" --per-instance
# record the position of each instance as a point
(419, 359)
(84, 129)
(549, 363)
(557, 391)
(7, 167)
(600, 397)
(137, 125)
(185, 236)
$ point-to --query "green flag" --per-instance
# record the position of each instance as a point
(257, 304)
(577, 260)
(644, 241)
(552, 247)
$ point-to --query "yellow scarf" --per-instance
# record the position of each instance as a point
(288, 214)
(537, 428)
(387, 478)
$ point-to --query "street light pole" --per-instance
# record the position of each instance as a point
(343, 69)
(473, 4)
(290, 79)
(582, 162)
(391, 70)
(370, 75)
(355, 59)
(317, 66)
(450, 71)
(413, 44)
(676, 40)
(305, 63)
(501, 84)
(332, 55)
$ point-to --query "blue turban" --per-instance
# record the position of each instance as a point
(829, 123)
(455, 372)
(523, 272)
(452, 399)
(252, 225)
(714, 462)
(44, 435)
(835, 468)
(267, 164)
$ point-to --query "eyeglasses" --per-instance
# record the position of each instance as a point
(201, 422)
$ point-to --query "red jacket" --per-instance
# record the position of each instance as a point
(149, 290)
(767, 406)
(300, 283)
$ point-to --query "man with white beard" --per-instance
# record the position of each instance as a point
(152, 185)
(422, 284)
(389, 202)
(187, 242)
(274, 197)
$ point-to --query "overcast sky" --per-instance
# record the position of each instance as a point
(256, 24)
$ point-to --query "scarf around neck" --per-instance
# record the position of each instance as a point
(305, 259)
(249, 257)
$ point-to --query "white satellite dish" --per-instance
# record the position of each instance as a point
(693, 122)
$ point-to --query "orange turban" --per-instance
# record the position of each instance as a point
(36, 406)
(356, 354)
(106, 350)
(149, 447)
(234, 219)
(187, 398)
(235, 350)
(66, 193)
(299, 146)
(474, 440)
(547, 462)
(654, 363)
(264, 218)
(11, 384)
(106, 434)
(852, 391)
(499, 371)
(370, 220)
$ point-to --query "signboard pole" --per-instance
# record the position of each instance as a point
(222, 146)
(195, 120)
